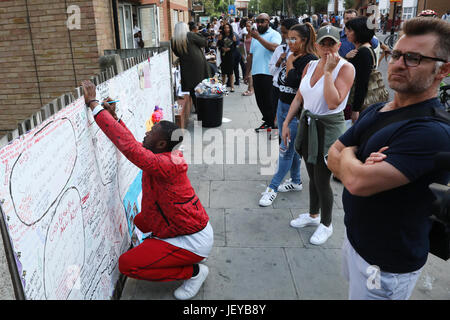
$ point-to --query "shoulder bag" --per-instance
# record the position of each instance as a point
(376, 90)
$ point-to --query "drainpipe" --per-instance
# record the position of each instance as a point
(116, 23)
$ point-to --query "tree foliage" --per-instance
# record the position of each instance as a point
(272, 7)
(349, 4)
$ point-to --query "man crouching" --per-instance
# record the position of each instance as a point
(181, 235)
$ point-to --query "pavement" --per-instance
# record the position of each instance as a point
(256, 254)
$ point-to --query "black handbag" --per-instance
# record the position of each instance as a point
(440, 230)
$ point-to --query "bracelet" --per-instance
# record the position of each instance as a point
(89, 103)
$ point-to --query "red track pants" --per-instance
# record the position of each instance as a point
(157, 260)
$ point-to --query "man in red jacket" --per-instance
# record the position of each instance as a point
(181, 235)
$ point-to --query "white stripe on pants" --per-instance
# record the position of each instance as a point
(367, 282)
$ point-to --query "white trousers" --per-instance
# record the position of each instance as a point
(368, 282)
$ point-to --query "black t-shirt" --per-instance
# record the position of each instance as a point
(289, 83)
(390, 229)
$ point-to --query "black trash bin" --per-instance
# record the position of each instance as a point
(210, 110)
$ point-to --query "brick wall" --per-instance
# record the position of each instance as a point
(440, 6)
(40, 58)
(19, 91)
(104, 22)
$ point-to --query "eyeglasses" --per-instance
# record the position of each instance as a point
(291, 40)
(411, 59)
(260, 20)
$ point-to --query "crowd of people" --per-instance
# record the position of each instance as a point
(308, 77)
(307, 80)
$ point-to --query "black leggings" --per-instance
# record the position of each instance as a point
(320, 192)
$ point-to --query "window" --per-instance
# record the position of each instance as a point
(175, 17)
(149, 25)
(408, 13)
(126, 26)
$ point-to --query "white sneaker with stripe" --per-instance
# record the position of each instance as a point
(288, 185)
(267, 197)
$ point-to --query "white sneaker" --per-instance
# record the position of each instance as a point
(304, 220)
(288, 185)
(190, 287)
(267, 197)
(321, 234)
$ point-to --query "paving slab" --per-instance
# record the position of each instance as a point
(239, 172)
(205, 172)
(248, 274)
(317, 273)
(236, 194)
(265, 227)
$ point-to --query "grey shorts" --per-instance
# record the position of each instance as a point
(368, 282)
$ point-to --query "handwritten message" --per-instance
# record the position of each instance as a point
(69, 196)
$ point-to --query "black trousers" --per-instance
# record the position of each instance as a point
(262, 84)
(194, 100)
(320, 192)
(238, 61)
(275, 96)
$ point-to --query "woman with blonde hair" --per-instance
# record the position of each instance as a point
(187, 46)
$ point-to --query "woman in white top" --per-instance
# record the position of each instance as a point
(323, 93)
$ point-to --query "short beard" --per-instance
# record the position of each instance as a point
(417, 86)
(263, 30)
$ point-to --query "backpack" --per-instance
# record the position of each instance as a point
(439, 235)
(376, 90)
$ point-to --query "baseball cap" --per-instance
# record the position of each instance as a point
(328, 32)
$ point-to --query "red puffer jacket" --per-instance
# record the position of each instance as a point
(170, 206)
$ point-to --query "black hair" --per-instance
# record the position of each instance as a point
(192, 25)
(242, 23)
(222, 30)
(288, 23)
(359, 26)
(168, 129)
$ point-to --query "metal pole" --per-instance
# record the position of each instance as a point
(393, 19)
(10, 258)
